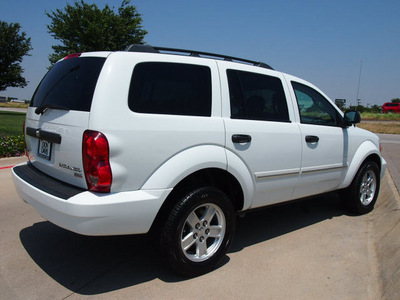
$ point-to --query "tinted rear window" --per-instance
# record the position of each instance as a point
(70, 83)
(256, 97)
(171, 88)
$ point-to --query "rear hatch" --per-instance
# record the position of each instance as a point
(59, 115)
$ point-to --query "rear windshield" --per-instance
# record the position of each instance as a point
(70, 84)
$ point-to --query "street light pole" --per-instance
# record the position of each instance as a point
(359, 80)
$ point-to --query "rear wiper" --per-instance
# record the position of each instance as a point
(42, 108)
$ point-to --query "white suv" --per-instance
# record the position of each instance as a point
(177, 142)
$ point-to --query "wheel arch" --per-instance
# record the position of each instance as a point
(366, 151)
(198, 166)
(183, 164)
(214, 177)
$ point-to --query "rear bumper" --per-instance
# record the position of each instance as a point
(90, 213)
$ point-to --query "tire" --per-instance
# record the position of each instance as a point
(198, 231)
(360, 197)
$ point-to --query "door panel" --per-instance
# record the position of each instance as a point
(273, 157)
(324, 143)
(260, 131)
(323, 162)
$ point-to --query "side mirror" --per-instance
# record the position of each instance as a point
(352, 117)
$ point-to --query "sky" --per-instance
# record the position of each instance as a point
(348, 48)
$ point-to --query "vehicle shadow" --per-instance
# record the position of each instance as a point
(96, 265)
(264, 224)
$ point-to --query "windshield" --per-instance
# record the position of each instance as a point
(69, 84)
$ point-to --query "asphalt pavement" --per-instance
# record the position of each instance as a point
(23, 110)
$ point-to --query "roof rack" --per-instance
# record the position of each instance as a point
(152, 49)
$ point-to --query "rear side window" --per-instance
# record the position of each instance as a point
(255, 96)
(70, 84)
(171, 88)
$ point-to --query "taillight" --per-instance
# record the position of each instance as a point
(96, 164)
(73, 55)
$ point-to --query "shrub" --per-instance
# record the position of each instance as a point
(12, 146)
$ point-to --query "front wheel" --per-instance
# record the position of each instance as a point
(198, 231)
(361, 196)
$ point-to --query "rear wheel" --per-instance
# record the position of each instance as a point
(198, 231)
(362, 194)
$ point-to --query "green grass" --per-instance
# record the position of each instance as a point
(380, 117)
(11, 134)
(11, 123)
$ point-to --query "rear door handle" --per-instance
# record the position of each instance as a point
(241, 138)
(312, 139)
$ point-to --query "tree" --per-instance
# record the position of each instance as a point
(396, 100)
(84, 27)
(376, 109)
(13, 47)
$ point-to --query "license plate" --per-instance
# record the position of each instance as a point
(44, 149)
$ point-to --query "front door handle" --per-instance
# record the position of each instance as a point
(312, 139)
(241, 138)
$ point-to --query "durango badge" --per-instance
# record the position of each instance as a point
(65, 166)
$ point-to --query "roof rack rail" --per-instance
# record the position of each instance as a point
(152, 49)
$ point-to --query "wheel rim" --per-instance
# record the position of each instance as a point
(368, 188)
(203, 232)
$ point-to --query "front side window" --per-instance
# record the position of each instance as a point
(313, 107)
(171, 88)
(256, 96)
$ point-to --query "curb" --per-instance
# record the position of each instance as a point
(384, 235)
(9, 162)
(7, 167)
